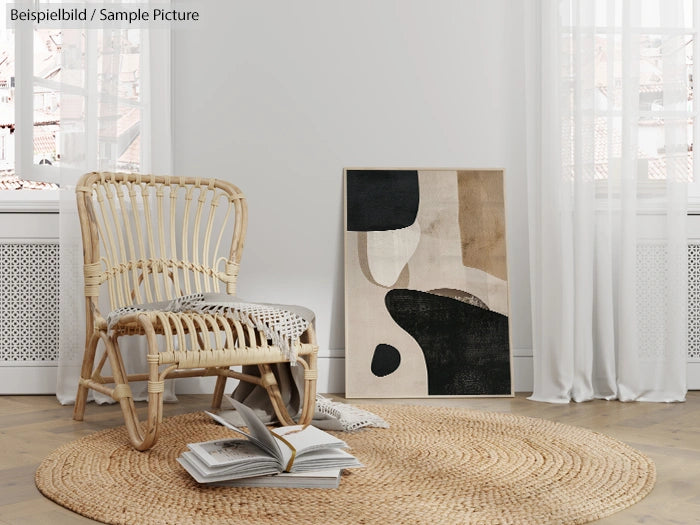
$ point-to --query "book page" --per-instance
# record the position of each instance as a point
(227, 451)
(258, 429)
(258, 432)
(305, 439)
(324, 459)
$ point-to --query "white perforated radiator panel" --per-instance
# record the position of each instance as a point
(694, 302)
(29, 302)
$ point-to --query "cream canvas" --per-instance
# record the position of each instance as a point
(426, 283)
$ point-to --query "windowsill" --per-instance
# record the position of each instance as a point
(47, 201)
(29, 201)
(648, 200)
(694, 205)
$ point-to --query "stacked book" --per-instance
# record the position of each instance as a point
(292, 456)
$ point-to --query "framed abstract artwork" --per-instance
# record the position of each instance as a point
(426, 284)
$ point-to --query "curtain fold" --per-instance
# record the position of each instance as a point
(115, 115)
(609, 112)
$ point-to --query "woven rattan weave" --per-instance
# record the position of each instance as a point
(434, 465)
(148, 239)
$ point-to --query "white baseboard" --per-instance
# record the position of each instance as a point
(522, 373)
(26, 380)
(693, 375)
(331, 378)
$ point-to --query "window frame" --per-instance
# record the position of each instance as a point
(41, 201)
(694, 186)
(24, 110)
(25, 200)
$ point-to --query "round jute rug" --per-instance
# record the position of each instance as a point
(433, 466)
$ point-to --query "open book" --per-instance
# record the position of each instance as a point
(292, 449)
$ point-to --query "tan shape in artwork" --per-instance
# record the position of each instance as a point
(437, 262)
(362, 260)
(389, 251)
(482, 222)
(403, 280)
(460, 295)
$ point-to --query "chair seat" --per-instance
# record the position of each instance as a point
(230, 356)
(196, 331)
(224, 343)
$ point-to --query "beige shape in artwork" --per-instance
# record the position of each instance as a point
(372, 325)
(363, 262)
(389, 251)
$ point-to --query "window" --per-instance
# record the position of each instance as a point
(49, 81)
(29, 120)
(653, 67)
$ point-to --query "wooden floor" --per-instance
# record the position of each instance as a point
(32, 426)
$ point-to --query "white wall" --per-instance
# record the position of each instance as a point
(279, 96)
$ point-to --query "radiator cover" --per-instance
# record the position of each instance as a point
(29, 303)
(694, 302)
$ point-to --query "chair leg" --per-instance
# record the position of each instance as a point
(269, 382)
(309, 401)
(310, 379)
(218, 391)
(85, 373)
(141, 438)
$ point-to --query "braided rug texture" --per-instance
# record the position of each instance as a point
(433, 466)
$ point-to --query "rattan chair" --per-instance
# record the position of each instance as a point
(148, 239)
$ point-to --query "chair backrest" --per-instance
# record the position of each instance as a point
(153, 238)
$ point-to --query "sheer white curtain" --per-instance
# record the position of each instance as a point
(609, 158)
(115, 115)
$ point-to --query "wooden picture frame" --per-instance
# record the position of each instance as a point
(426, 284)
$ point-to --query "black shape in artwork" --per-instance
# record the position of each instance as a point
(381, 200)
(466, 348)
(386, 359)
